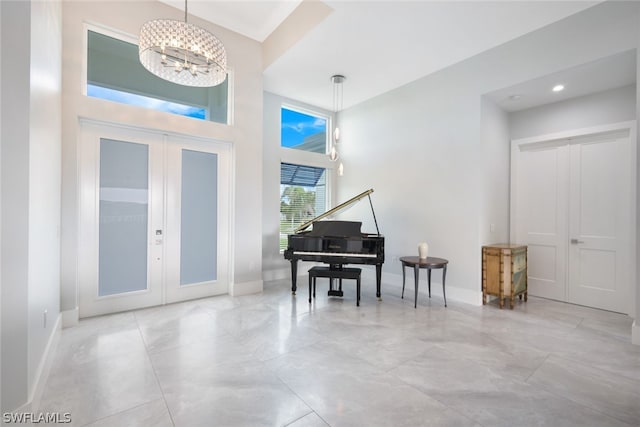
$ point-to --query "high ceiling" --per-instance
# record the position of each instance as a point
(378, 45)
(606, 73)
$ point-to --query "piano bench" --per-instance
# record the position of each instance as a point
(332, 273)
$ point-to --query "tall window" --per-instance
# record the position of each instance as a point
(303, 169)
(303, 191)
(114, 73)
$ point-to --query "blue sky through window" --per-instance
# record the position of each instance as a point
(297, 126)
(146, 102)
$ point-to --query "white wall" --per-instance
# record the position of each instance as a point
(1, 139)
(495, 151)
(31, 93)
(636, 324)
(15, 201)
(610, 106)
(244, 58)
(273, 263)
(424, 140)
(44, 179)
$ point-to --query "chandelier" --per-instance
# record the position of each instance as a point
(182, 53)
(337, 81)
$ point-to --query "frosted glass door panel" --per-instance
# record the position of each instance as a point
(199, 217)
(124, 207)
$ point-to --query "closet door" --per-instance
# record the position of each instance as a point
(600, 226)
(541, 217)
(573, 204)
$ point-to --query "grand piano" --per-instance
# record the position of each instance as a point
(336, 243)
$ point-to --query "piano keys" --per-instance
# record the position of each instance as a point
(336, 243)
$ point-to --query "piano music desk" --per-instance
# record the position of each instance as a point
(430, 263)
(334, 273)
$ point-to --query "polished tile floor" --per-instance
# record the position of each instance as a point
(271, 359)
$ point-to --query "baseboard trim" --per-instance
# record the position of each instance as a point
(246, 288)
(285, 273)
(392, 282)
(277, 274)
(44, 368)
(70, 317)
(635, 332)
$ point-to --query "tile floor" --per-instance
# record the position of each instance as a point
(274, 360)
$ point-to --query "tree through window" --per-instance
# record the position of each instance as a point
(302, 197)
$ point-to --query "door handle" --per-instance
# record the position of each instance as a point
(576, 241)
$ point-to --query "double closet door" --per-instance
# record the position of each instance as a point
(153, 219)
(573, 204)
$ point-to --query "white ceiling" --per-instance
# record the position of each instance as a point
(379, 45)
(606, 73)
(255, 19)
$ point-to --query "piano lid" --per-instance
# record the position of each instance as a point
(339, 208)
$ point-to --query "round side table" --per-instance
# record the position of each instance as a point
(429, 263)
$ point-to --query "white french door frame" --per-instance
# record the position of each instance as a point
(173, 290)
(158, 290)
(568, 138)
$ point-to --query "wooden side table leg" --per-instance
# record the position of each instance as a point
(358, 292)
(444, 276)
(310, 280)
(416, 273)
(501, 282)
(484, 277)
(403, 280)
(429, 281)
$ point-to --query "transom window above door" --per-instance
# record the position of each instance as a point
(114, 73)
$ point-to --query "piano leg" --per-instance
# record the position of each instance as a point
(378, 280)
(294, 275)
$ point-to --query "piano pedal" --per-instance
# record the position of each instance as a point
(335, 293)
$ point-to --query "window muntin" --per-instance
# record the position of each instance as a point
(303, 131)
(303, 196)
(113, 65)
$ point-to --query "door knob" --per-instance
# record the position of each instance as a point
(576, 241)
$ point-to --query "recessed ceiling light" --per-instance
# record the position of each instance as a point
(558, 88)
(515, 97)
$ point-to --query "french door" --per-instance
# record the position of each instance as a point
(153, 220)
(573, 204)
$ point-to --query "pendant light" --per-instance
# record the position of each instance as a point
(337, 81)
(182, 53)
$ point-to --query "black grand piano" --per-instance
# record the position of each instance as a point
(336, 243)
